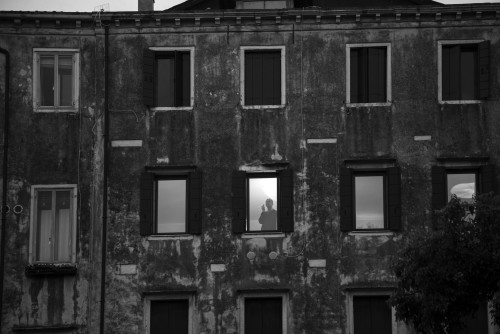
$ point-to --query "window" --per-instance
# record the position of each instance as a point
(370, 314)
(368, 73)
(263, 313)
(462, 180)
(168, 314)
(463, 70)
(263, 201)
(370, 199)
(168, 77)
(170, 201)
(55, 79)
(263, 76)
(53, 224)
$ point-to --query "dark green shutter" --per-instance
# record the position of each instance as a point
(346, 199)
(487, 179)
(484, 69)
(285, 213)
(146, 203)
(239, 198)
(439, 191)
(148, 62)
(377, 70)
(394, 198)
(195, 180)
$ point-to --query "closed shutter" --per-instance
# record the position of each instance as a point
(263, 315)
(239, 189)
(394, 198)
(354, 69)
(345, 194)
(372, 315)
(487, 179)
(439, 191)
(285, 213)
(271, 78)
(484, 69)
(182, 79)
(148, 61)
(450, 72)
(195, 204)
(146, 203)
(377, 65)
(169, 316)
(250, 78)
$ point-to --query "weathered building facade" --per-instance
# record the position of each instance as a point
(165, 134)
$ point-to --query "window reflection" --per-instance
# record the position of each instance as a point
(171, 206)
(369, 202)
(462, 185)
(263, 204)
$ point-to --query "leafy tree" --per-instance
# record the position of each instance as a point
(444, 274)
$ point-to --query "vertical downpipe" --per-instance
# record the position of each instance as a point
(5, 179)
(105, 178)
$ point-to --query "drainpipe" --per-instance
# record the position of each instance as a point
(4, 177)
(105, 178)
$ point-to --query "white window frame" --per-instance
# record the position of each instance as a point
(33, 227)
(284, 305)
(388, 75)
(350, 307)
(165, 296)
(191, 74)
(440, 69)
(243, 49)
(36, 79)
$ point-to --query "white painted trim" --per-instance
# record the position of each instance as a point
(160, 237)
(166, 296)
(322, 141)
(250, 235)
(350, 310)
(126, 143)
(388, 75)
(191, 74)
(368, 233)
(242, 75)
(440, 69)
(422, 138)
(284, 304)
(74, 193)
(55, 50)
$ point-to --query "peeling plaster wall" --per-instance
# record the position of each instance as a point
(219, 136)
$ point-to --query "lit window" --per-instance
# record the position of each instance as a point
(369, 201)
(53, 224)
(171, 205)
(462, 185)
(262, 203)
(56, 80)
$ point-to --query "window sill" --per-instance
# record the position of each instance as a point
(461, 102)
(55, 110)
(43, 329)
(170, 108)
(263, 235)
(277, 106)
(361, 105)
(50, 269)
(371, 233)
(170, 237)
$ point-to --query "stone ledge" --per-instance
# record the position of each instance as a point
(50, 269)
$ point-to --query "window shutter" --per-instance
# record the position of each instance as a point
(484, 69)
(146, 203)
(195, 207)
(186, 79)
(271, 78)
(239, 187)
(182, 89)
(377, 86)
(394, 198)
(345, 194)
(148, 62)
(285, 213)
(450, 72)
(439, 191)
(354, 75)
(249, 78)
(487, 179)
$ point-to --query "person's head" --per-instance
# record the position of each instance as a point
(269, 203)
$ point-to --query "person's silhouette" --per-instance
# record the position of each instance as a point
(268, 218)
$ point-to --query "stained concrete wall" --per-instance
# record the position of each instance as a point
(219, 136)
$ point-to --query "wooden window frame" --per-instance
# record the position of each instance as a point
(388, 94)
(280, 48)
(190, 297)
(284, 303)
(370, 172)
(75, 54)
(34, 224)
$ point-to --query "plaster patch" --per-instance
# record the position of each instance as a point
(217, 267)
(318, 263)
(165, 160)
(256, 244)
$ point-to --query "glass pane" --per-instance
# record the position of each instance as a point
(468, 74)
(171, 210)
(462, 185)
(63, 226)
(44, 226)
(165, 82)
(263, 201)
(46, 81)
(369, 202)
(65, 80)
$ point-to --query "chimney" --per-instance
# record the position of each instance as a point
(146, 5)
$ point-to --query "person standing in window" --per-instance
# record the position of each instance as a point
(268, 218)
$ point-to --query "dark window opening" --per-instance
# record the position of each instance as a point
(263, 77)
(169, 316)
(368, 74)
(263, 315)
(460, 72)
(372, 315)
